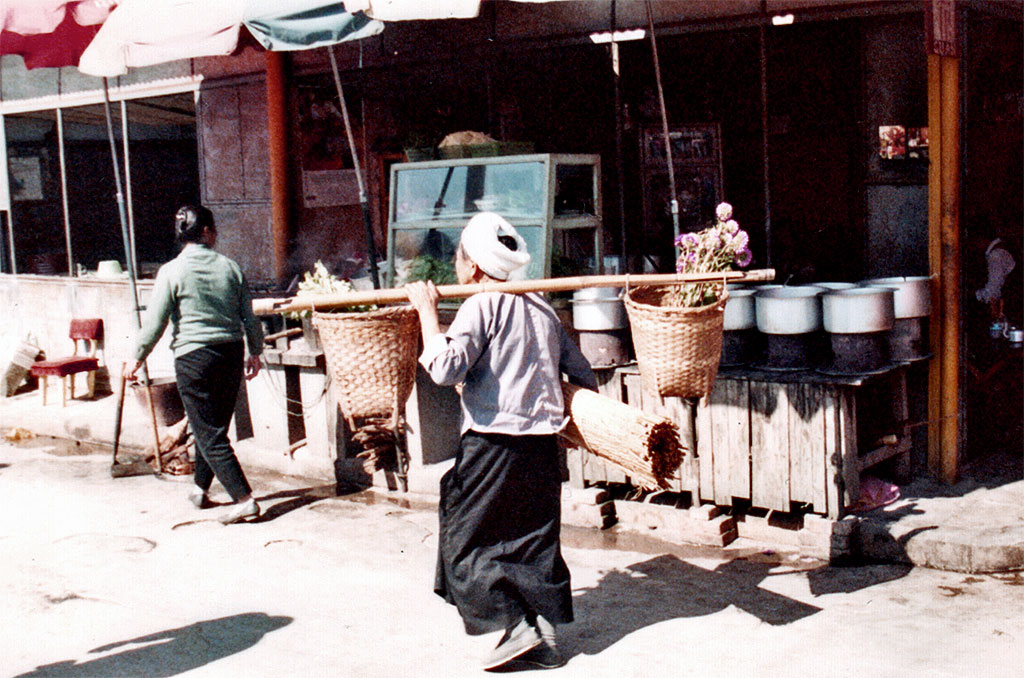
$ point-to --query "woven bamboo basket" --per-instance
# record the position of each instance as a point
(677, 347)
(371, 358)
(645, 446)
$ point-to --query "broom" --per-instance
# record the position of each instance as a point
(644, 446)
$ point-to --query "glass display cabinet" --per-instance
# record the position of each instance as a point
(553, 200)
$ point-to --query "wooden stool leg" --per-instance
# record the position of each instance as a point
(91, 381)
(71, 380)
(64, 391)
(42, 385)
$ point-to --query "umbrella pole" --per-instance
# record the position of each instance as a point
(370, 245)
(673, 203)
(619, 168)
(129, 258)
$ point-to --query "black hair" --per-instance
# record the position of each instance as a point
(509, 242)
(190, 221)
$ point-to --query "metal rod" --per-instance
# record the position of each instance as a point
(120, 203)
(364, 203)
(129, 258)
(5, 199)
(619, 162)
(764, 135)
(64, 190)
(128, 182)
(398, 295)
(673, 203)
(10, 240)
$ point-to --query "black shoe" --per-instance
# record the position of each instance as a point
(516, 642)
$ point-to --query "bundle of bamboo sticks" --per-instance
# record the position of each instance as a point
(644, 446)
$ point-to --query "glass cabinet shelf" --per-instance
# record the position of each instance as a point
(553, 200)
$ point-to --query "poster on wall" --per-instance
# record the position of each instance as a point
(26, 178)
(322, 140)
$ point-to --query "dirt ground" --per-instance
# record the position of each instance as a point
(123, 577)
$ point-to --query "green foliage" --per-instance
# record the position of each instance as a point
(426, 267)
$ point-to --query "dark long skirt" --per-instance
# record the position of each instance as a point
(499, 555)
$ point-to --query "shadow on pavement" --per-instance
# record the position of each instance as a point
(665, 588)
(296, 499)
(172, 652)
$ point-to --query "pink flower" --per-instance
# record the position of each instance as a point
(723, 211)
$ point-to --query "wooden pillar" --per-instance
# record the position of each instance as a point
(944, 263)
(277, 122)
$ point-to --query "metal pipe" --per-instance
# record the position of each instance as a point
(5, 198)
(129, 256)
(363, 201)
(128, 181)
(763, 35)
(673, 203)
(619, 164)
(64, 190)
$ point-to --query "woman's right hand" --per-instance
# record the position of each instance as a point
(423, 296)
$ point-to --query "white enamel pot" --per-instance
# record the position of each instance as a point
(858, 310)
(788, 310)
(913, 294)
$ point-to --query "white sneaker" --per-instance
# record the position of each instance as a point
(199, 498)
(246, 510)
(517, 641)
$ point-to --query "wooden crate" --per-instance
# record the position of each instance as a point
(780, 443)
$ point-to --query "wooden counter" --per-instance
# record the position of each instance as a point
(775, 440)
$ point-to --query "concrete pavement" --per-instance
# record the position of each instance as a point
(123, 577)
(974, 526)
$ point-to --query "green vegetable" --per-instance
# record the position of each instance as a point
(426, 267)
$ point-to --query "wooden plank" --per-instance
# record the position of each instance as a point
(806, 444)
(739, 439)
(848, 447)
(833, 459)
(730, 434)
(769, 446)
(705, 449)
(679, 411)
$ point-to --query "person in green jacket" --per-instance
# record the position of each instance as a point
(204, 297)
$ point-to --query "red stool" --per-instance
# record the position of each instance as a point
(85, 330)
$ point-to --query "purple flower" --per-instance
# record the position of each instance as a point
(723, 211)
(744, 257)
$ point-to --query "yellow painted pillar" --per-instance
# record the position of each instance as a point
(944, 263)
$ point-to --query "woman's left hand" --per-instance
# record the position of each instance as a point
(252, 366)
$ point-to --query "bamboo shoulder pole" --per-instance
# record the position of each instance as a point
(397, 295)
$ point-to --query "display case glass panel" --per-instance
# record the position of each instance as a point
(433, 193)
(553, 201)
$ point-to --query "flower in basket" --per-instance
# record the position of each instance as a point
(716, 248)
(320, 281)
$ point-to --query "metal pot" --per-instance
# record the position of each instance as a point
(599, 308)
(858, 310)
(739, 311)
(834, 285)
(788, 310)
(913, 294)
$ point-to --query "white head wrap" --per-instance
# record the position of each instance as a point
(481, 244)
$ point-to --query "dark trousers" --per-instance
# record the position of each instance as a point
(208, 379)
(499, 547)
